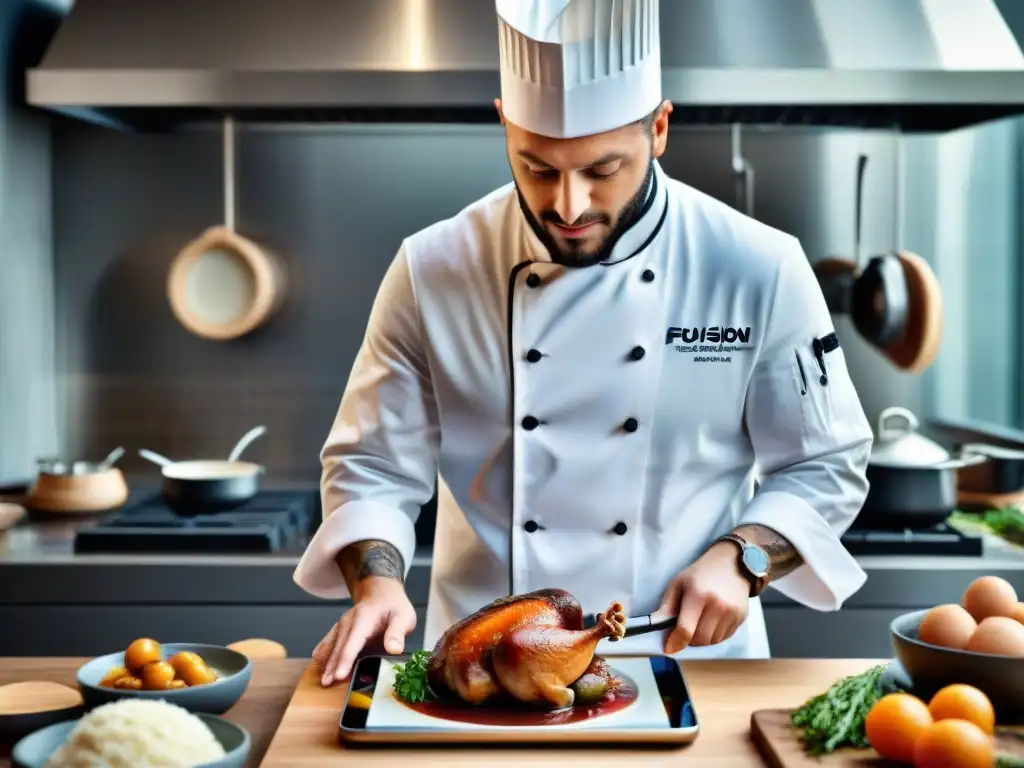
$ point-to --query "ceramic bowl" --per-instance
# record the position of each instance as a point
(35, 749)
(932, 667)
(14, 726)
(234, 671)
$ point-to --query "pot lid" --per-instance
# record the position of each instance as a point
(897, 442)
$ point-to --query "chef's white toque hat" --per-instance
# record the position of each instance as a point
(578, 67)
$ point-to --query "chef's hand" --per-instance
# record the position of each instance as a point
(380, 607)
(711, 599)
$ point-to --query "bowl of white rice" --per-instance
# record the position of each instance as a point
(134, 733)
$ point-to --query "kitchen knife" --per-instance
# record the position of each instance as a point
(639, 625)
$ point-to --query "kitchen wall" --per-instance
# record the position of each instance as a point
(964, 211)
(336, 201)
(28, 390)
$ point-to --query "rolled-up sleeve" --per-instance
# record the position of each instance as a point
(811, 439)
(380, 458)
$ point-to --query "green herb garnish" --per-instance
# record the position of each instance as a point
(411, 678)
(1005, 522)
(835, 718)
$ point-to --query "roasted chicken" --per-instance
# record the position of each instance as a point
(531, 648)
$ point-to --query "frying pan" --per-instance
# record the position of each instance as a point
(874, 292)
(880, 301)
(206, 485)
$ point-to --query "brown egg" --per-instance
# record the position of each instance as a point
(191, 668)
(140, 653)
(157, 676)
(1018, 613)
(998, 636)
(948, 626)
(990, 596)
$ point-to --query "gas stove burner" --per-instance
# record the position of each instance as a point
(939, 540)
(268, 522)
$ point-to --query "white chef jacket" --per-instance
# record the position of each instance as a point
(596, 428)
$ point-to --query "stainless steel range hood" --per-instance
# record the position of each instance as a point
(920, 65)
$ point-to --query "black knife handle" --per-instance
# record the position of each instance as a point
(639, 625)
(652, 622)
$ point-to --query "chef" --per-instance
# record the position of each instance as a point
(621, 386)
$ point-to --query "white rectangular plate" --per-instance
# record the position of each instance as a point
(648, 711)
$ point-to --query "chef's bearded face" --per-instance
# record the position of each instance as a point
(580, 195)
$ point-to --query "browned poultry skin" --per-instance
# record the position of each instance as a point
(461, 661)
(537, 662)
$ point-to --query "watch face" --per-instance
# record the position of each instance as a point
(756, 559)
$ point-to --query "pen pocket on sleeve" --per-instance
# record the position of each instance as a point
(801, 373)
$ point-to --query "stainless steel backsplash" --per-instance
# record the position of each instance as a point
(335, 202)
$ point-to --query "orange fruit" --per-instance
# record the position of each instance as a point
(963, 702)
(954, 744)
(894, 724)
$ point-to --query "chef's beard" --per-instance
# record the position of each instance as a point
(628, 216)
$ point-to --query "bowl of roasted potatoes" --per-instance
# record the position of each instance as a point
(195, 676)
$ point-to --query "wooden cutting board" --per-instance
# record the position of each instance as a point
(724, 693)
(781, 747)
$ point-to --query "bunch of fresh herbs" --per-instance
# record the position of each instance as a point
(835, 719)
(1005, 522)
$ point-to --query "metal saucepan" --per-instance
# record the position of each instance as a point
(207, 485)
(913, 479)
(1003, 473)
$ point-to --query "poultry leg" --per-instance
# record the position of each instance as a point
(537, 662)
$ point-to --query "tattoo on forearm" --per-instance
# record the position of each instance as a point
(370, 558)
(783, 557)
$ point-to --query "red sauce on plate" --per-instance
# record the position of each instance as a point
(519, 715)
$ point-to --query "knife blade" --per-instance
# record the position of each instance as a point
(639, 625)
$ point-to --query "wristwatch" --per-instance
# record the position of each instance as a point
(754, 562)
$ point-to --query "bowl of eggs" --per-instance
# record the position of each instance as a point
(978, 641)
(197, 677)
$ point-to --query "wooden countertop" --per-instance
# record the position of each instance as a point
(293, 721)
(725, 693)
(259, 711)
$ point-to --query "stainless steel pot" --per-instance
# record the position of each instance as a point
(1003, 473)
(913, 479)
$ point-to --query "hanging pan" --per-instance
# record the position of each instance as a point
(221, 285)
